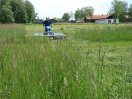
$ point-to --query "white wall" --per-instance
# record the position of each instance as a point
(104, 21)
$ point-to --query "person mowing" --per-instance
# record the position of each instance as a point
(47, 24)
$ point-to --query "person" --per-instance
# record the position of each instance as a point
(47, 25)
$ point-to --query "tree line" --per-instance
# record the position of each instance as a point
(16, 11)
(119, 9)
(22, 11)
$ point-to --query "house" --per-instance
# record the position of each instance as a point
(102, 19)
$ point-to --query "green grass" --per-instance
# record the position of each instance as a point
(108, 33)
(78, 67)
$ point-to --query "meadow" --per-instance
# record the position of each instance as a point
(93, 62)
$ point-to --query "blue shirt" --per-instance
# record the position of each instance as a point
(47, 23)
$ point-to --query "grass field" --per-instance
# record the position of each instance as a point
(93, 62)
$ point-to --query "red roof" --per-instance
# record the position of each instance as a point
(98, 17)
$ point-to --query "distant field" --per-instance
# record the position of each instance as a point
(93, 62)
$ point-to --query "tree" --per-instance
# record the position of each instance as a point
(19, 10)
(119, 8)
(78, 14)
(6, 15)
(66, 17)
(30, 11)
(4, 2)
(84, 12)
(130, 11)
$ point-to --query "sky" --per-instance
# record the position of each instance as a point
(56, 8)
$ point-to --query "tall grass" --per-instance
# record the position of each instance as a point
(108, 33)
(12, 34)
(41, 68)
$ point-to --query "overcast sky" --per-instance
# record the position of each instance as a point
(56, 8)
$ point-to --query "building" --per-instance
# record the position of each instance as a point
(102, 19)
(105, 21)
